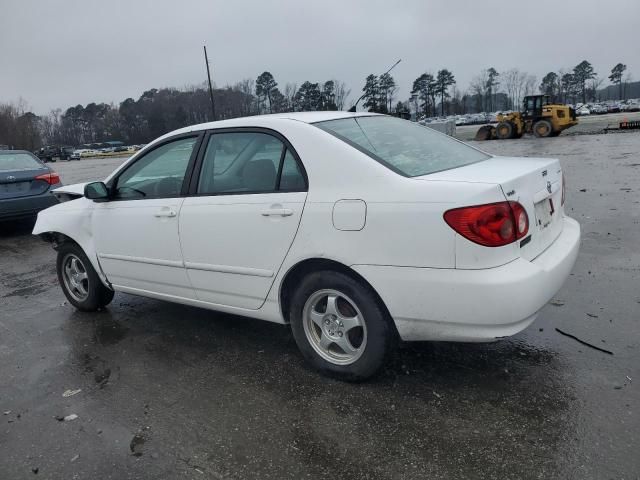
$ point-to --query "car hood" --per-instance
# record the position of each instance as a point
(75, 189)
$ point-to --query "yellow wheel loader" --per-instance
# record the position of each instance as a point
(539, 117)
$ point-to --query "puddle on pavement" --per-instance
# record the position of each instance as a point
(109, 332)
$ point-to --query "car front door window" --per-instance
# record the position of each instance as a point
(159, 174)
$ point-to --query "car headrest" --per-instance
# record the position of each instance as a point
(259, 175)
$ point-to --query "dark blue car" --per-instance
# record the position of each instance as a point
(25, 185)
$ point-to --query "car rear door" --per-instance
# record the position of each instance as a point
(243, 213)
(136, 233)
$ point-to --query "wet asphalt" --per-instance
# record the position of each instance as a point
(169, 391)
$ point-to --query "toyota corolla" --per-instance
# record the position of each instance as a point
(356, 229)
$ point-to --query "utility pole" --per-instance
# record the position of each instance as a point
(206, 60)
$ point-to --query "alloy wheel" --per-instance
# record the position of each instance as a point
(334, 326)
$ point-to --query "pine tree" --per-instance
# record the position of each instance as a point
(443, 81)
(265, 84)
(371, 93)
(387, 88)
(581, 73)
(549, 85)
(616, 77)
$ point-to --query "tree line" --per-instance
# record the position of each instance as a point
(158, 111)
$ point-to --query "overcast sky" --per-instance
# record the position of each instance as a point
(59, 53)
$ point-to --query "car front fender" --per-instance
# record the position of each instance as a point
(70, 221)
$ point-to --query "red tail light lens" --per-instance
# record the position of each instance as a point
(51, 178)
(490, 225)
(564, 187)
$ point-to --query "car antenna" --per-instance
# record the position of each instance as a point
(353, 108)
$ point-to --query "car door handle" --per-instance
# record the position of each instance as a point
(165, 212)
(279, 212)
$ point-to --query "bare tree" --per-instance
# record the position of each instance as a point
(514, 84)
(341, 94)
(530, 84)
(593, 86)
(290, 90)
(477, 87)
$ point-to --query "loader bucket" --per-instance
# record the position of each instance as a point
(486, 132)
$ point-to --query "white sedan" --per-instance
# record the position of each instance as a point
(354, 228)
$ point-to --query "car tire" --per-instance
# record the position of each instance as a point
(79, 281)
(340, 326)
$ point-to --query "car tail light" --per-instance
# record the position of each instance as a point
(564, 188)
(51, 178)
(491, 225)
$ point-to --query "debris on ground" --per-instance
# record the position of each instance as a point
(592, 315)
(557, 303)
(75, 457)
(71, 393)
(35, 470)
(137, 442)
(583, 342)
(102, 377)
(583, 189)
(7, 412)
(68, 418)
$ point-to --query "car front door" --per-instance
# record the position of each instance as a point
(136, 231)
(237, 226)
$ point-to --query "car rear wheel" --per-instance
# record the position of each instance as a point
(339, 326)
(79, 281)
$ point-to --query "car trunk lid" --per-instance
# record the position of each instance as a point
(22, 183)
(536, 183)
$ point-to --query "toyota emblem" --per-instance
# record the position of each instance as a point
(11, 177)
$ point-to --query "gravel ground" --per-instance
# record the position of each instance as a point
(168, 391)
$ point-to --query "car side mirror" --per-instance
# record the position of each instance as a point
(96, 191)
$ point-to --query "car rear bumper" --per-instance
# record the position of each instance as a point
(24, 207)
(474, 305)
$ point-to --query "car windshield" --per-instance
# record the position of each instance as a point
(403, 146)
(10, 162)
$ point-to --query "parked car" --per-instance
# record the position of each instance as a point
(583, 111)
(354, 228)
(76, 155)
(65, 153)
(613, 108)
(25, 185)
(48, 153)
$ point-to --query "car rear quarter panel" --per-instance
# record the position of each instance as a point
(404, 223)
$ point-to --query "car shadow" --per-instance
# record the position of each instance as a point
(16, 228)
(218, 375)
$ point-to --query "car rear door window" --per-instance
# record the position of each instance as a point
(247, 162)
(291, 178)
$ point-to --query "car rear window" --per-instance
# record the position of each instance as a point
(18, 161)
(405, 147)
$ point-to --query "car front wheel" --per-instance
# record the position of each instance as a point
(79, 281)
(340, 326)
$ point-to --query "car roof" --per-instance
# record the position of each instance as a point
(262, 120)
